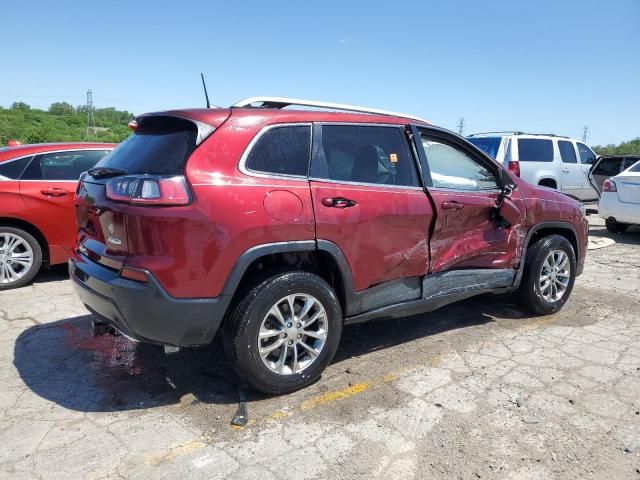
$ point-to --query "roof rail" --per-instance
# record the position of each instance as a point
(281, 102)
(503, 132)
(512, 132)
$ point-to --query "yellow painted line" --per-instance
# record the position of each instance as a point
(331, 397)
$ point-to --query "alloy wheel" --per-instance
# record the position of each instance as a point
(16, 257)
(293, 333)
(555, 276)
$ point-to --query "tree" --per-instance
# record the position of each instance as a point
(20, 106)
(62, 108)
(632, 147)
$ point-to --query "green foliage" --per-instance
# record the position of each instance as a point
(20, 106)
(61, 123)
(632, 147)
(61, 108)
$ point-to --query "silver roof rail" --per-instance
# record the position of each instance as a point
(282, 102)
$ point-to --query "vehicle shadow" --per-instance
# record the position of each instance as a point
(630, 237)
(54, 273)
(63, 363)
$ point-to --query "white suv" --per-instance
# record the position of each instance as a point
(550, 160)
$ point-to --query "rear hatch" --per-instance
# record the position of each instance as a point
(628, 184)
(144, 172)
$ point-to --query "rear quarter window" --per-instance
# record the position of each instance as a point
(12, 169)
(282, 150)
(535, 150)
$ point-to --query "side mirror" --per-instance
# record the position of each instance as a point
(508, 189)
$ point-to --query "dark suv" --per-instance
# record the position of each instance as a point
(276, 227)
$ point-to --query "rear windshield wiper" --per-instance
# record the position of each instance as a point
(103, 172)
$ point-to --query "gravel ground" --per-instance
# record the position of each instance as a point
(474, 390)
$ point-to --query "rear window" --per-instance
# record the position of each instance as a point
(13, 168)
(535, 150)
(160, 145)
(635, 168)
(488, 145)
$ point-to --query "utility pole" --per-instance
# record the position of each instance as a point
(585, 133)
(91, 121)
(461, 126)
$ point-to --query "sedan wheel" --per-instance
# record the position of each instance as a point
(20, 257)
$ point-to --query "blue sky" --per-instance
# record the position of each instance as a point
(546, 66)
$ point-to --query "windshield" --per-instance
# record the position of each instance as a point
(161, 145)
(488, 145)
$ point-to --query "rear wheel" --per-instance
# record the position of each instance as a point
(284, 332)
(20, 257)
(615, 227)
(549, 275)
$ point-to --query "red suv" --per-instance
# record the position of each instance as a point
(37, 222)
(276, 227)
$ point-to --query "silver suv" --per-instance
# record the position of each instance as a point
(549, 160)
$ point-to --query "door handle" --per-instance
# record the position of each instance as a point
(54, 192)
(453, 205)
(338, 202)
(565, 170)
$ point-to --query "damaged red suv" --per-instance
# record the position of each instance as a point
(275, 227)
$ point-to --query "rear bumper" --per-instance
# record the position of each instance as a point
(610, 206)
(143, 310)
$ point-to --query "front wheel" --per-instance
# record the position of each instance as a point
(283, 333)
(549, 275)
(20, 257)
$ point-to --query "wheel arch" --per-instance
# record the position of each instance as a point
(547, 180)
(322, 258)
(542, 230)
(31, 229)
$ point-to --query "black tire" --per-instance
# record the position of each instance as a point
(37, 257)
(530, 292)
(615, 227)
(243, 324)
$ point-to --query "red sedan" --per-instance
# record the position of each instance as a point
(37, 222)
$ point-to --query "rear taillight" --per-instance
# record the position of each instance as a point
(514, 167)
(149, 190)
(609, 186)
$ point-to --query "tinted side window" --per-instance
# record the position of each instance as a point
(608, 167)
(368, 154)
(13, 168)
(567, 152)
(62, 165)
(535, 150)
(282, 151)
(586, 155)
(453, 169)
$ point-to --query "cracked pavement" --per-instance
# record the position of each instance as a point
(474, 390)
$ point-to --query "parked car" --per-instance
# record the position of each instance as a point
(620, 200)
(276, 227)
(551, 161)
(607, 166)
(37, 221)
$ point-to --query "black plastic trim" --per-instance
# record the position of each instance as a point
(530, 233)
(249, 256)
(144, 310)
